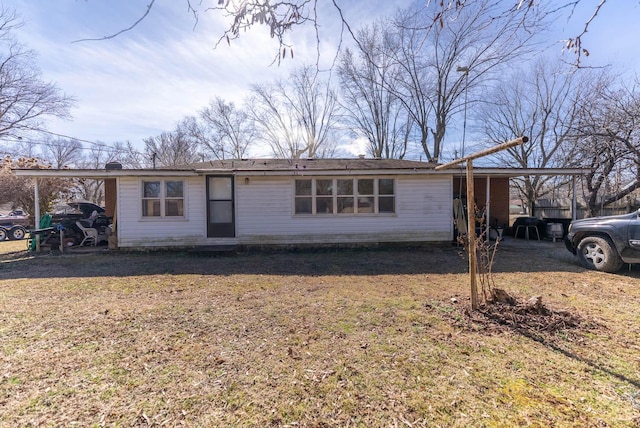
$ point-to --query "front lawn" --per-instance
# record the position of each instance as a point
(366, 338)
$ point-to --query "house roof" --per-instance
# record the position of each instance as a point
(357, 166)
(311, 165)
(251, 167)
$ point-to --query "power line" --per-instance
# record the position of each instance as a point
(105, 146)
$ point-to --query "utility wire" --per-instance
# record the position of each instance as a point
(107, 147)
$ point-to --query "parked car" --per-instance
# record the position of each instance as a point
(13, 218)
(14, 225)
(605, 243)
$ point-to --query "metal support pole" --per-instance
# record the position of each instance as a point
(471, 232)
(487, 207)
(36, 204)
(574, 205)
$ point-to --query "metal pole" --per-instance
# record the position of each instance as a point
(487, 207)
(574, 205)
(471, 233)
(36, 203)
(36, 211)
(464, 123)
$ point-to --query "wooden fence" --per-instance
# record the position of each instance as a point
(561, 208)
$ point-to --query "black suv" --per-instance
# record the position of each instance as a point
(605, 243)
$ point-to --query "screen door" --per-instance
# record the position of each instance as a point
(220, 213)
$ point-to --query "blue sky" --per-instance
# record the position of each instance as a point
(144, 81)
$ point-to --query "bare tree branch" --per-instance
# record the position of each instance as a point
(135, 24)
(575, 43)
(25, 99)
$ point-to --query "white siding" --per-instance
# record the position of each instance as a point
(134, 231)
(264, 215)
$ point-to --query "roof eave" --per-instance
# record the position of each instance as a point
(102, 173)
(480, 172)
(312, 172)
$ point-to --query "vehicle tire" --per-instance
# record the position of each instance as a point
(598, 253)
(3, 234)
(17, 233)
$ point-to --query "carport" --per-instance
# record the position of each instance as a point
(492, 188)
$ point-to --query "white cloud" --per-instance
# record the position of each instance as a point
(146, 80)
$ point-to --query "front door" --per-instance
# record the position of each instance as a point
(220, 207)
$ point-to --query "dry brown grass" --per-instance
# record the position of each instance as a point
(332, 338)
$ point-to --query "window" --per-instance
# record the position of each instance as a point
(366, 198)
(303, 197)
(317, 196)
(345, 196)
(386, 198)
(324, 196)
(151, 199)
(163, 198)
(174, 200)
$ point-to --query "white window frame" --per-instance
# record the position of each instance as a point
(356, 211)
(163, 198)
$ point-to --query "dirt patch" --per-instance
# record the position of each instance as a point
(528, 317)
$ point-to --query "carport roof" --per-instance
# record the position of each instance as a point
(520, 172)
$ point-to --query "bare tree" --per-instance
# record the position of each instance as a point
(298, 117)
(96, 157)
(61, 152)
(25, 99)
(371, 106)
(173, 148)
(20, 190)
(126, 154)
(25, 148)
(279, 16)
(440, 63)
(607, 137)
(542, 103)
(229, 129)
(283, 17)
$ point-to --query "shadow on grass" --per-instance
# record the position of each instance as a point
(513, 256)
(593, 364)
(589, 362)
(542, 325)
(545, 333)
